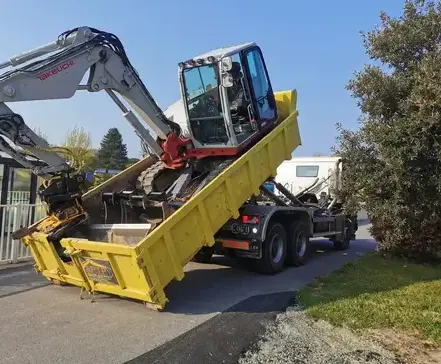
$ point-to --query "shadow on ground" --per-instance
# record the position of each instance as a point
(363, 222)
(212, 288)
(223, 338)
(18, 279)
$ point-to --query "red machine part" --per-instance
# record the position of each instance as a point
(174, 150)
(177, 151)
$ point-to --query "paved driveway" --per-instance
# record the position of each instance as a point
(42, 323)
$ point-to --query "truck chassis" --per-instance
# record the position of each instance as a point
(277, 233)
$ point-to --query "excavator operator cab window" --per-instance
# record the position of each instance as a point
(250, 95)
(239, 102)
(230, 100)
(262, 91)
(204, 104)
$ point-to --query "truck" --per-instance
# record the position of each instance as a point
(283, 222)
(203, 188)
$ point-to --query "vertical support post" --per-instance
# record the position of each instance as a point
(11, 183)
(16, 218)
(33, 192)
(5, 183)
(4, 195)
(33, 197)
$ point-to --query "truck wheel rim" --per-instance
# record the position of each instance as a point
(276, 248)
(301, 244)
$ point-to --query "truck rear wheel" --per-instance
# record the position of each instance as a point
(204, 255)
(342, 244)
(299, 246)
(273, 250)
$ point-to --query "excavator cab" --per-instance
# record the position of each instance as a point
(228, 99)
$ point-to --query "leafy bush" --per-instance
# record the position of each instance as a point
(393, 162)
(99, 178)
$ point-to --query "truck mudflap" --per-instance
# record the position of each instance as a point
(242, 248)
(141, 271)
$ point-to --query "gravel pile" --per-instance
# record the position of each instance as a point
(296, 339)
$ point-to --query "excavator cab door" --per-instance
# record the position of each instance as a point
(263, 104)
(249, 93)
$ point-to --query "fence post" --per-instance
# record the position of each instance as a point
(15, 243)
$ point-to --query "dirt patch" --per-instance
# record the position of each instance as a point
(406, 345)
(296, 338)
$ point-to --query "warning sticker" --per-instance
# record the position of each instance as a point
(98, 270)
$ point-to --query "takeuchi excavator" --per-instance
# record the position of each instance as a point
(226, 94)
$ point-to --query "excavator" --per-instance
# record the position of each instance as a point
(228, 104)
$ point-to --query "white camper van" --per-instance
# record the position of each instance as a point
(321, 174)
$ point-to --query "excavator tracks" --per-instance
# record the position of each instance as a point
(157, 178)
(194, 188)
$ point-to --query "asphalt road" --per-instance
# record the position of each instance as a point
(42, 323)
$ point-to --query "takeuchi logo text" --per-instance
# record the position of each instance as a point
(60, 68)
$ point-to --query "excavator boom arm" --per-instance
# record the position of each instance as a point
(58, 76)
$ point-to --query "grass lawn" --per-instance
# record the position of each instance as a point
(376, 293)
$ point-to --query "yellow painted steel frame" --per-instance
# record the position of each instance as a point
(142, 271)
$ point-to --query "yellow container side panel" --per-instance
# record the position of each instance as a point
(194, 225)
(44, 256)
(110, 268)
(143, 271)
(49, 264)
(126, 278)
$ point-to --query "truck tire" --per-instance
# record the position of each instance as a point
(299, 246)
(344, 243)
(274, 250)
(204, 255)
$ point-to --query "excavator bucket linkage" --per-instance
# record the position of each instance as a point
(130, 260)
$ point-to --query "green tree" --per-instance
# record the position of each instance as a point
(79, 144)
(393, 162)
(98, 179)
(113, 152)
(131, 161)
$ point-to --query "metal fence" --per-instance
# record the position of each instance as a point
(15, 197)
(13, 217)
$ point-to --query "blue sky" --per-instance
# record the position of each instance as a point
(312, 46)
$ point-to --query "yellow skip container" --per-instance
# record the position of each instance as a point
(131, 262)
